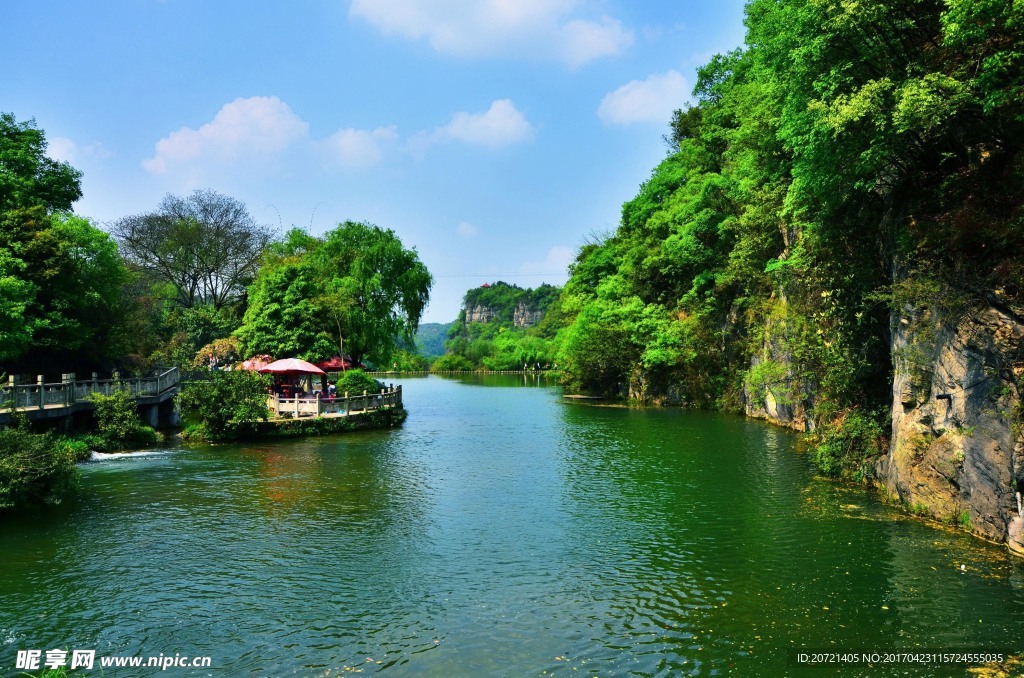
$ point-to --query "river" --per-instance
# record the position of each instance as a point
(500, 531)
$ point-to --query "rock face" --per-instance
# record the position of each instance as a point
(524, 316)
(957, 448)
(781, 401)
(479, 314)
(774, 390)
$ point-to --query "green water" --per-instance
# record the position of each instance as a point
(501, 531)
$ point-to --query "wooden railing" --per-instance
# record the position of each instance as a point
(71, 390)
(343, 405)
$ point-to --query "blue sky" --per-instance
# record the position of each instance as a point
(492, 135)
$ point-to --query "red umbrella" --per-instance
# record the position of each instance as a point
(335, 363)
(290, 366)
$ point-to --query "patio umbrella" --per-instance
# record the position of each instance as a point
(290, 366)
(335, 363)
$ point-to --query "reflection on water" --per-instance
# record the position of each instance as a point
(501, 531)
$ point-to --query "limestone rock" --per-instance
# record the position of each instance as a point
(479, 314)
(957, 450)
(525, 316)
(775, 391)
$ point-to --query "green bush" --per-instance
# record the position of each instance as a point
(118, 422)
(847, 443)
(354, 382)
(404, 361)
(34, 469)
(451, 363)
(223, 401)
(80, 447)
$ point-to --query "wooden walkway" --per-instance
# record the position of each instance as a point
(42, 400)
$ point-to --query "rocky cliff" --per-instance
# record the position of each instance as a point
(957, 450)
(775, 389)
(479, 314)
(525, 316)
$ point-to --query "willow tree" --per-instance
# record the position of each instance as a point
(356, 289)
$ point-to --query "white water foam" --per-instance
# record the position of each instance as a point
(113, 456)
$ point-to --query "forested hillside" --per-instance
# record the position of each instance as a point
(430, 339)
(842, 197)
(503, 327)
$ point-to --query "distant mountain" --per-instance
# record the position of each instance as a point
(430, 339)
(504, 303)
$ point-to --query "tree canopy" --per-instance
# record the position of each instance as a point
(205, 245)
(60, 276)
(848, 150)
(355, 290)
(60, 285)
(28, 177)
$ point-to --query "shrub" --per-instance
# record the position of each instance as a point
(118, 422)
(847, 443)
(354, 382)
(451, 363)
(80, 447)
(34, 469)
(223, 402)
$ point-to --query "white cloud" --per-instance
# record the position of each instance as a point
(467, 230)
(555, 263)
(265, 134)
(63, 149)
(587, 40)
(649, 100)
(500, 125)
(243, 128)
(470, 28)
(351, 147)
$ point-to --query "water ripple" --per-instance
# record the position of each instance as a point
(499, 532)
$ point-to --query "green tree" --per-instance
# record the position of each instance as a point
(66, 277)
(356, 288)
(28, 178)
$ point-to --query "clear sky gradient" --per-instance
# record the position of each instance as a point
(492, 135)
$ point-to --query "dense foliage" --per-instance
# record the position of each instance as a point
(35, 469)
(27, 176)
(486, 334)
(61, 278)
(848, 152)
(356, 290)
(222, 403)
(118, 425)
